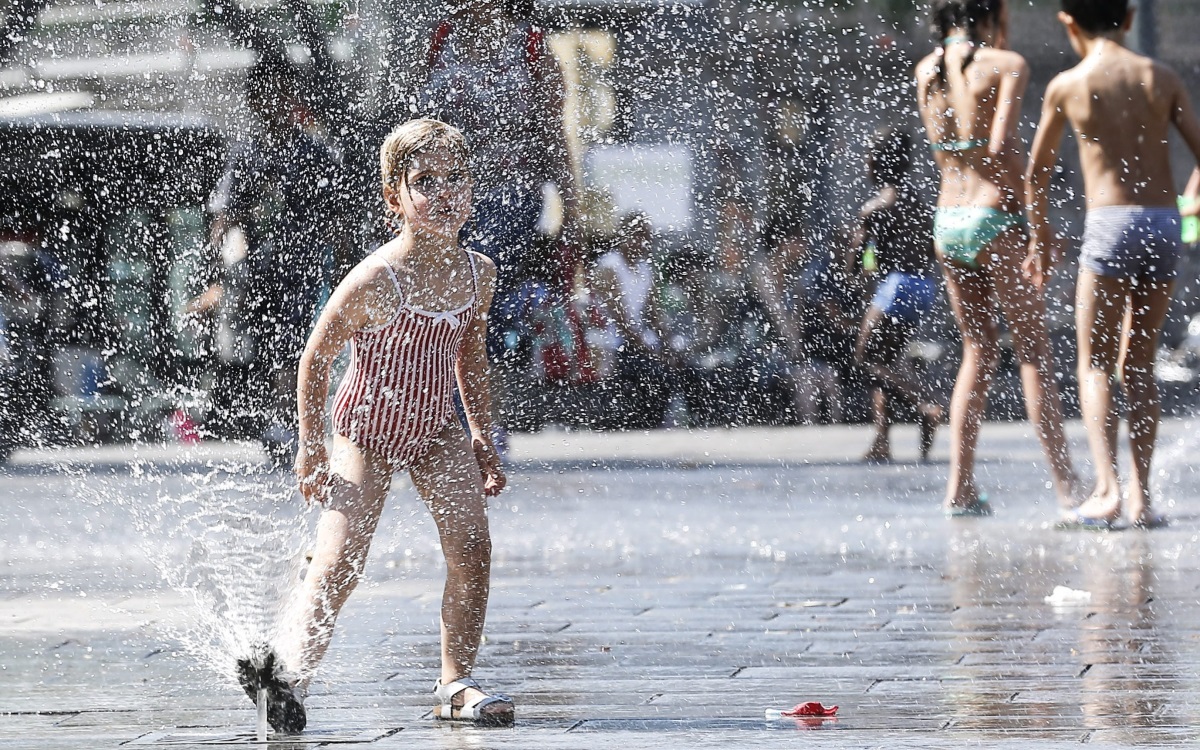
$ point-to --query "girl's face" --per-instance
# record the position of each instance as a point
(434, 196)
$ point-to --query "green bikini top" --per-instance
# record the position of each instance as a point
(959, 145)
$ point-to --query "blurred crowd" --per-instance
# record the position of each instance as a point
(601, 319)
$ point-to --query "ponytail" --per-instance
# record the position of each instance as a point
(948, 15)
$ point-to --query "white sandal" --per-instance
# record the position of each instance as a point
(471, 711)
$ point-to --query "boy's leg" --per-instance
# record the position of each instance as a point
(971, 300)
(450, 483)
(1150, 301)
(1025, 311)
(1099, 318)
(361, 480)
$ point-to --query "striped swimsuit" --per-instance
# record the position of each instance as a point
(398, 393)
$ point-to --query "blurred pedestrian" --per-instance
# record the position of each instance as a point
(896, 226)
(490, 73)
(624, 282)
(810, 308)
(275, 211)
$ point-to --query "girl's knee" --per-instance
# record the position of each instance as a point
(469, 546)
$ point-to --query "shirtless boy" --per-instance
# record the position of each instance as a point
(1121, 106)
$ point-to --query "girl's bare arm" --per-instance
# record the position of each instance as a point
(474, 384)
(1008, 105)
(1042, 158)
(1184, 118)
(351, 307)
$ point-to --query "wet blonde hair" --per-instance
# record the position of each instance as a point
(413, 137)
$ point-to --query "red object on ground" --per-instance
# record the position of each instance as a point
(185, 428)
(812, 708)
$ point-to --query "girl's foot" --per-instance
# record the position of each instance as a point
(1140, 514)
(1070, 494)
(966, 501)
(464, 700)
(263, 670)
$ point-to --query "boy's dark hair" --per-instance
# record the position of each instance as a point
(889, 156)
(968, 15)
(1097, 16)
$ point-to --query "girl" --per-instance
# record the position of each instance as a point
(415, 314)
(969, 95)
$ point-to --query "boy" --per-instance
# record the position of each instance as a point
(1121, 106)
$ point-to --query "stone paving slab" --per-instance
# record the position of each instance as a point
(651, 590)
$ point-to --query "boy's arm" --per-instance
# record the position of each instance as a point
(1184, 118)
(1008, 107)
(471, 370)
(1191, 195)
(1042, 158)
(345, 313)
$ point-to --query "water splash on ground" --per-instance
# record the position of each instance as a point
(234, 540)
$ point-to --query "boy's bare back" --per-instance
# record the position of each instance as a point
(1121, 106)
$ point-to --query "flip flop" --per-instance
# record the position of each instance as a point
(1156, 521)
(977, 509)
(1073, 520)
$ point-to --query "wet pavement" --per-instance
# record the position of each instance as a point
(650, 590)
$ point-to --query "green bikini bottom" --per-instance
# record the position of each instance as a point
(961, 234)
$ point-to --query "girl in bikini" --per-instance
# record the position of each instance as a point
(415, 316)
(969, 94)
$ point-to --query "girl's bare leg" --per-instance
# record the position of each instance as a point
(1025, 311)
(449, 481)
(361, 480)
(1100, 303)
(971, 300)
(1150, 302)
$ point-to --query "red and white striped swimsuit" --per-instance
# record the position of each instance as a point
(398, 393)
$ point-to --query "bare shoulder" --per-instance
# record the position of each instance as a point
(370, 276)
(484, 266)
(1003, 61)
(367, 295)
(1063, 86)
(1164, 79)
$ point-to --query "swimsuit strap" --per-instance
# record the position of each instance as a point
(392, 273)
(964, 145)
(474, 276)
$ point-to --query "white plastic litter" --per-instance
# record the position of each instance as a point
(1063, 595)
